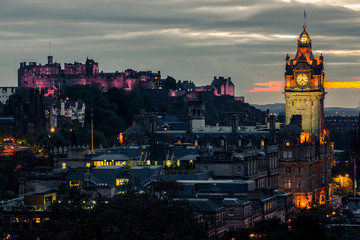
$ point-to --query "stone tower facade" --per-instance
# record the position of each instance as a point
(304, 87)
(305, 150)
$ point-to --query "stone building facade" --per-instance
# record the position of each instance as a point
(306, 153)
(304, 86)
(52, 75)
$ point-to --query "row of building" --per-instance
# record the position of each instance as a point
(234, 174)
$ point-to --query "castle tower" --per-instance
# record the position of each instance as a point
(304, 87)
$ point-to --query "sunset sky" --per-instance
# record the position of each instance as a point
(189, 40)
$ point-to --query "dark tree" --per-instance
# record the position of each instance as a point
(153, 214)
(170, 83)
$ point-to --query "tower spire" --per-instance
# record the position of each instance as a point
(304, 19)
(50, 58)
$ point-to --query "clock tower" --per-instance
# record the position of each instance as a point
(304, 87)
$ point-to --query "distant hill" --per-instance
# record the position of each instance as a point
(341, 111)
(280, 108)
(273, 108)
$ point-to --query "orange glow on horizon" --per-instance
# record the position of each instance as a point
(352, 84)
(271, 86)
(276, 86)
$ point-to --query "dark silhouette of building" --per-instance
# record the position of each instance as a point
(341, 123)
(29, 116)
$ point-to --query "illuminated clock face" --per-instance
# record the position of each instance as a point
(302, 79)
(303, 39)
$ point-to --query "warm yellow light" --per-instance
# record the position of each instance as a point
(121, 181)
(121, 138)
(304, 137)
(52, 129)
(63, 165)
(168, 163)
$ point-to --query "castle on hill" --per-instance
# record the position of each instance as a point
(52, 75)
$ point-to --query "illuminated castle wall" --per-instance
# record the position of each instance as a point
(52, 75)
(219, 86)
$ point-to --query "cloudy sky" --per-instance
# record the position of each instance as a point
(196, 40)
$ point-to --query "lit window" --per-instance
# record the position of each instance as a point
(121, 181)
(287, 183)
(63, 165)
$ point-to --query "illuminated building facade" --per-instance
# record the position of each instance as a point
(306, 153)
(304, 87)
(52, 75)
(220, 86)
(66, 112)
